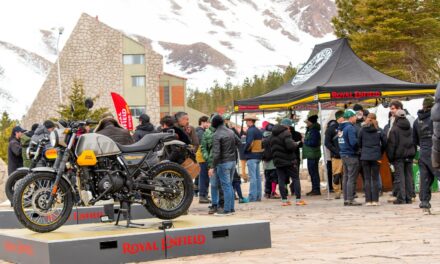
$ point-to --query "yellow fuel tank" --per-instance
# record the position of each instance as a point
(87, 158)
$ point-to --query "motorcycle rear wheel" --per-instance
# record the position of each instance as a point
(12, 182)
(35, 217)
(166, 206)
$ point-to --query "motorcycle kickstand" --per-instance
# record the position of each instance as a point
(125, 207)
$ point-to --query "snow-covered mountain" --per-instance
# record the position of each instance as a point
(203, 40)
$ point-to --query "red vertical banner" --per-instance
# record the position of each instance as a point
(123, 111)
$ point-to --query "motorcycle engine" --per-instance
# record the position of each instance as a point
(114, 181)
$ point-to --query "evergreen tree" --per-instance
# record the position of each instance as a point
(398, 37)
(6, 126)
(76, 99)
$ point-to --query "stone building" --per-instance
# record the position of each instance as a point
(106, 60)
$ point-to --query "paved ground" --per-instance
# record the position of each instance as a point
(324, 231)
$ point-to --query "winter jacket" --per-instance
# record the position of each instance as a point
(435, 117)
(312, 142)
(111, 128)
(423, 132)
(207, 145)
(199, 132)
(283, 147)
(40, 133)
(267, 152)
(199, 156)
(142, 130)
(331, 139)
(25, 140)
(348, 140)
(400, 145)
(192, 136)
(224, 146)
(180, 135)
(15, 158)
(372, 142)
(253, 148)
(297, 137)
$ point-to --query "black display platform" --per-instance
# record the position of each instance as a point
(107, 243)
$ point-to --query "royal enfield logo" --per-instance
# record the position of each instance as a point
(168, 243)
(312, 66)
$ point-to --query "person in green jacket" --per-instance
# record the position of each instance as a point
(25, 141)
(312, 152)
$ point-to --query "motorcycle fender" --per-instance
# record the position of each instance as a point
(51, 170)
(22, 169)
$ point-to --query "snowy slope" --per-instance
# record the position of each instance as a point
(256, 36)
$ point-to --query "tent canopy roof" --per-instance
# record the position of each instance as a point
(333, 72)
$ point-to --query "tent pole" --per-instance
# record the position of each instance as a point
(323, 152)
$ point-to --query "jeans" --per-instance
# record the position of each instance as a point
(214, 181)
(371, 180)
(404, 180)
(312, 166)
(351, 170)
(236, 184)
(225, 173)
(255, 180)
(203, 179)
(284, 173)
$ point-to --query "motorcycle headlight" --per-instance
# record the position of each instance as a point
(53, 137)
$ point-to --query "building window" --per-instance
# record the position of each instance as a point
(137, 111)
(166, 95)
(138, 81)
(134, 59)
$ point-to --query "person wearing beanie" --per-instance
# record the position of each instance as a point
(401, 151)
(331, 143)
(312, 152)
(144, 128)
(224, 149)
(423, 131)
(270, 174)
(348, 150)
(43, 131)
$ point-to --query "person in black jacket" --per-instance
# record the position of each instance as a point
(422, 133)
(15, 158)
(283, 152)
(144, 128)
(435, 117)
(224, 148)
(297, 137)
(108, 126)
(372, 143)
(332, 144)
(401, 151)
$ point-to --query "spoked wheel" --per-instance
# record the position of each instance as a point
(167, 205)
(12, 182)
(31, 197)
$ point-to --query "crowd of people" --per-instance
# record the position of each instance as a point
(354, 140)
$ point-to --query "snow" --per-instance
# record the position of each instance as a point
(156, 20)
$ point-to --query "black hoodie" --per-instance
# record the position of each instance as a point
(142, 130)
(331, 139)
(372, 142)
(422, 133)
(400, 144)
(282, 146)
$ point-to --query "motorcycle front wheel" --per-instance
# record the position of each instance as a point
(165, 205)
(35, 217)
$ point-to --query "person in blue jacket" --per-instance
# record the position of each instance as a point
(253, 151)
(348, 149)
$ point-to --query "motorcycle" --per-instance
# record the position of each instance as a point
(104, 170)
(40, 154)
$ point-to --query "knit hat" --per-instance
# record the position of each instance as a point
(339, 114)
(400, 113)
(428, 102)
(349, 113)
(227, 116)
(217, 121)
(34, 127)
(313, 119)
(357, 107)
(264, 124)
(286, 122)
(144, 118)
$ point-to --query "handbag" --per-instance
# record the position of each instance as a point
(191, 167)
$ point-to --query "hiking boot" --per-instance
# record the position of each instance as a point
(313, 193)
(300, 202)
(204, 200)
(368, 204)
(213, 210)
(338, 196)
(243, 200)
(426, 205)
(353, 203)
(223, 213)
(275, 196)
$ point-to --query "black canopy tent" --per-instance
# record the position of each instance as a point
(332, 74)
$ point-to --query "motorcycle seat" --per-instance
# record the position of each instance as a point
(148, 142)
